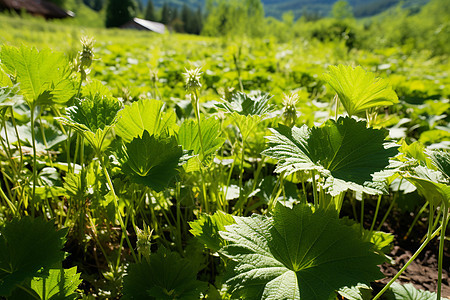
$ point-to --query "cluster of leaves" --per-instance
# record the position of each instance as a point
(167, 169)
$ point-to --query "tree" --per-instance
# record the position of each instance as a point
(186, 17)
(342, 10)
(118, 12)
(150, 11)
(165, 14)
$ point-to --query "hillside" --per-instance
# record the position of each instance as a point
(276, 8)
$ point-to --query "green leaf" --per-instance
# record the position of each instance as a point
(152, 160)
(408, 292)
(430, 184)
(345, 152)
(26, 246)
(93, 117)
(144, 115)
(166, 276)
(296, 254)
(247, 105)
(44, 76)
(206, 229)
(188, 138)
(359, 90)
(9, 96)
(5, 81)
(358, 292)
(56, 284)
(441, 160)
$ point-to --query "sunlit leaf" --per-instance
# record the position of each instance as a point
(408, 292)
(296, 254)
(359, 90)
(44, 76)
(206, 229)
(93, 117)
(165, 276)
(143, 115)
(243, 104)
(358, 292)
(57, 284)
(152, 160)
(27, 245)
(188, 137)
(345, 152)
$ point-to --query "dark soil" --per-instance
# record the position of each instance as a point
(423, 271)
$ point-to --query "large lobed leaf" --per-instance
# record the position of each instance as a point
(346, 152)
(247, 105)
(408, 292)
(57, 284)
(165, 276)
(188, 138)
(27, 245)
(44, 76)
(296, 254)
(359, 90)
(152, 160)
(206, 229)
(143, 115)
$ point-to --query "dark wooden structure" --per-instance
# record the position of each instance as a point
(40, 8)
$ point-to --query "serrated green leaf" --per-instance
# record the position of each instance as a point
(296, 254)
(44, 76)
(9, 96)
(152, 160)
(345, 152)
(430, 184)
(57, 284)
(166, 276)
(5, 81)
(93, 117)
(359, 90)
(26, 246)
(206, 229)
(188, 138)
(247, 105)
(358, 292)
(408, 292)
(441, 160)
(144, 115)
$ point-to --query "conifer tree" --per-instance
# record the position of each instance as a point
(118, 12)
(150, 11)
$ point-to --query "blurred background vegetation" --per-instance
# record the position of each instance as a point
(411, 24)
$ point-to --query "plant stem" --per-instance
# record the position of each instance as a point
(441, 249)
(33, 142)
(116, 204)
(314, 186)
(407, 264)
(387, 213)
(416, 219)
(376, 214)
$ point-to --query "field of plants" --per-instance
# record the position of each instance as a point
(140, 166)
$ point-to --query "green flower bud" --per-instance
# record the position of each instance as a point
(87, 54)
(290, 111)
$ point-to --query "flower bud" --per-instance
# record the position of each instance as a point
(87, 54)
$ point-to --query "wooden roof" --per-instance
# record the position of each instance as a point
(37, 8)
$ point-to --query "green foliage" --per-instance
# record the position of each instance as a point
(346, 153)
(341, 10)
(144, 115)
(188, 137)
(166, 276)
(408, 292)
(44, 76)
(26, 246)
(56, 284)
(296, 254)
(93, 117)
(206, 229)
(152, 160)
(247, 105)
(359, 90)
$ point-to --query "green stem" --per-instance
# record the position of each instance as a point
(33, 142)
(387, 213)
(314, 186)
(416, 218)
(441, 249)
(376, 214)
(424, 244)
(116, 204)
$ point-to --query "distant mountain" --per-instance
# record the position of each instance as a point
(276, 8)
